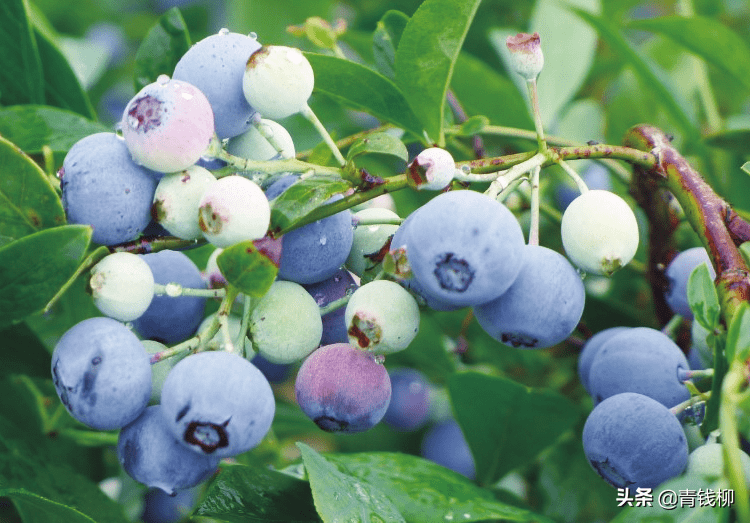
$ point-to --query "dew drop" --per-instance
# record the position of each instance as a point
(337, 278)
(253, 35)
(323, 240)
(162, 79)
(223, 31)
(467, 516)
(449, 516)
(173, 290)
(466, 169)
(187, 96)
(118, 129)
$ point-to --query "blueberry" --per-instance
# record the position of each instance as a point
(217, 403)
(543, 305)
(433, 170)
(274, 372)
(101, 373)
(160, 507)
(633, 441)
(641, 360)
(172, 320)
(122, 286)
(216, 65)
(410, 402)
(708, 460)
(167, 125)
(151, 455)
(445, 444)
(464, 248)
(343, 389)
(326, 291)
(104, 188)
(370, 242)
(316, 251)
(280, 185)
(591, 349)
(252, 145)
(678, 272)
(178, 198)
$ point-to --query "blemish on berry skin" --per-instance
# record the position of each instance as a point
(209, 220)
(518, 340)
(453, 274)
(145, 113)
(185, 178)
(611, 474)
(329, 424)
(208, 436)
(184, 410)
(366, 331)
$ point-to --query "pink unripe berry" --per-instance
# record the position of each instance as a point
(526, 54)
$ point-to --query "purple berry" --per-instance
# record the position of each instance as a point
(326, 291)
(343, 389)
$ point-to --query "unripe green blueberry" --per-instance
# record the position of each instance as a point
(122, 286)
(433, 170)
(232, 210)
(159, 370)
(234, 324)
(382, 317)
(278, 81)
(285, 324)
(599, 232)
(212, 275)
(367, 253)
(177, 198)
(708, 460)
(254, 146)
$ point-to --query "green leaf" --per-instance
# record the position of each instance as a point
(363, 89)
(511, 424)
(23, 353)
(21, 76)
(746, 167)
(29, 462)
(380, 154)
(646, 74)
(301, 198)
(738, 337)
(245, 494)
(707, 38)
(33, 507)
(474, 125)
(31, 127)
(498, 99)
(425, 492)
(341, 497)
(737, 140)
(426, 56)
(36, 266)
(28, 202)
(161, 49)
(248, 267)
(385, 41)
(703, 298)
(61, 86)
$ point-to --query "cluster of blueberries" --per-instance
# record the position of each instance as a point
(179, 416)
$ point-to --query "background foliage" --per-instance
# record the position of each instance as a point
(68, 68)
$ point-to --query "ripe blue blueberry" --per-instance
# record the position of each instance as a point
(217, 403)
(464, 248)
(633, 441)
(274, 372)
(445, 444)
(160, 507)
(543, 305)
(591, 349)
(216, 65)
(316, 251)
(678, 273)
(171, 320)
(104, 188)
(343, 389)
(326, 291)
(101, 373)
(641, 360)
(151, 455)
(410, 400)
(167, 126)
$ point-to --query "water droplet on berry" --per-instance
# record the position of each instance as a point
(323, 240)
(466, 169)
(253, 35)
(187, 96)
(173, 290)
(223, 31)
(162, 79)
(118, 129)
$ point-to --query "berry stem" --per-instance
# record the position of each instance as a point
(685, 375)
(311, 117)
(534, 226)
(268, 134)
(174, 290)
(690, 403)
(247, 308)
(734, 380)
(335, 304)
(362, 222)
(514, 173)
(582, 187)
(90, 438)
(534, 99)
(671, 327)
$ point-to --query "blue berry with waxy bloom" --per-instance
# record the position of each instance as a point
(168, 125)
(216, 65)
(410, 399)
(101, 373)
(151, 455)
(343, 389)
(633, 441)
(217, 403)
(445, 444)
(464, 248)
(104, 188)
(678, 273)
(543, 305)
(326, 291)
(172, 320)
(591, 349)
(160, 507)
(641, 360)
